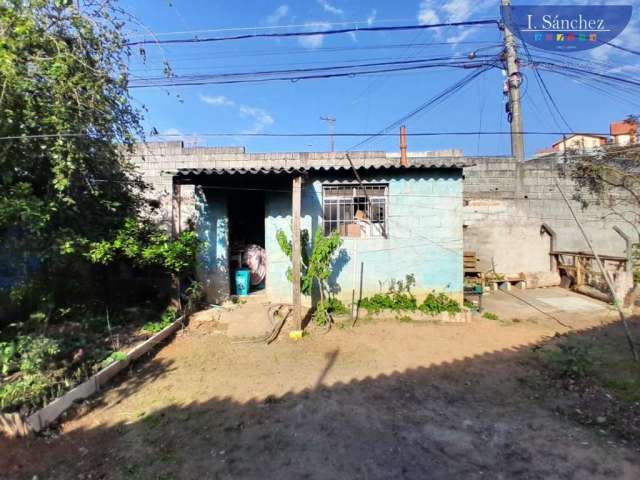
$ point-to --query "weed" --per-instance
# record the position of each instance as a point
(436, 304)
(31, 389)
(324, 311)
(572, 359)
(490, 316)
(114, 357)
(168, 317)
(469, 304)
(405, 319)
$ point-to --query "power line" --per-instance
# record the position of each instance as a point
(429, 103)
(310, 73)
(270, 27)
(312, 33)
(302, 135)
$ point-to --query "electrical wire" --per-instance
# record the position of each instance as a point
(312, 33)
(302, 135)
(310, 73)
(436, 99)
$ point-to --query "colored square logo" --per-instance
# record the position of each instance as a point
(593, 37)
(571, 37)
(582, 37)
(537, 37)
(549, 37)
(559, 37)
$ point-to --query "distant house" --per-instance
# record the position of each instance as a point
(579, 142)
(624, 133)
(394, 219)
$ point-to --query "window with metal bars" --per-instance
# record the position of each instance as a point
(352, 213)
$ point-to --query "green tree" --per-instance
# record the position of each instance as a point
(610, 178)
(66, 122)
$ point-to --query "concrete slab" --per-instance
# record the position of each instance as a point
(545, 304)
(249, 318)
(573, 304)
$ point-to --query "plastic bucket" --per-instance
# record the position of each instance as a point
(242, 282)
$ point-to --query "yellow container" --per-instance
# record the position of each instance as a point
(296, 334)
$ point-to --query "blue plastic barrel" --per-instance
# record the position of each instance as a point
(242, 282)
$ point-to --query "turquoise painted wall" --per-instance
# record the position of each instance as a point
(424, 236)
(213, 230)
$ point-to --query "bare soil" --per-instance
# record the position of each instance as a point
(387, 399)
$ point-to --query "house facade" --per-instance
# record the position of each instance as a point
(394, 220)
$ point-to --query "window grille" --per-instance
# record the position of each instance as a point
(351, 213)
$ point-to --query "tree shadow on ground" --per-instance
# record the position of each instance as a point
(479, 417)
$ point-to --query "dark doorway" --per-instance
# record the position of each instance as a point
(246, 228)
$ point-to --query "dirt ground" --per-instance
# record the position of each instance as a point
(387, 399)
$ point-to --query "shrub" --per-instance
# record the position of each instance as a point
(322, 314)
(28, 354)
(572, 359)
(32, 389)
(490, 316)
(440, 303)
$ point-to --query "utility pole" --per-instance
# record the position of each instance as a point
(331, 121)
(513, 83)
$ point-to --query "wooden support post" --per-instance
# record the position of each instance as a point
(605, 274)
(176, 220)
(296, 253)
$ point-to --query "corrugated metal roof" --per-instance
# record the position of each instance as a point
(422, 165)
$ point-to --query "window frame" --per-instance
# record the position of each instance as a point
(377, 229)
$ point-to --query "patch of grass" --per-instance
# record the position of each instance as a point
(168, 317)
(627, 390)
(490, 316)
(405, 319)
(151, 421)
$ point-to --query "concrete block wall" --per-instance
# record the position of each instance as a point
(424, 237)
(506, 203)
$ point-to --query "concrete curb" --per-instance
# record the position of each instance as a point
(47, 415)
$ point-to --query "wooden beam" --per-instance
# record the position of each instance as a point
(296, 254)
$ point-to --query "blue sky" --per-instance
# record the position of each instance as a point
(360, 104)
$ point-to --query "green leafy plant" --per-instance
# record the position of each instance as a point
(168, 317)
(114, 357)
(316, 262)
(440, 303)
(33, 353)
(397, 298)
(8, 353)
(147, 246)
(490, 316)
(572, 359)
(32, 390)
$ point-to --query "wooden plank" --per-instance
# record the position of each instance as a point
(296, 253)
(589, 255)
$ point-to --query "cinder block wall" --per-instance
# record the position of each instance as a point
(424, 237)
(506, 203)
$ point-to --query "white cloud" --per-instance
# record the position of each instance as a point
(217, 101)
(451, 11)
(314, 41)
(277, 15)
(458, 10)
(261, 118)
(330, 8)
(427, 14)
(372, 17)
(171, 132)
(174, 135)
